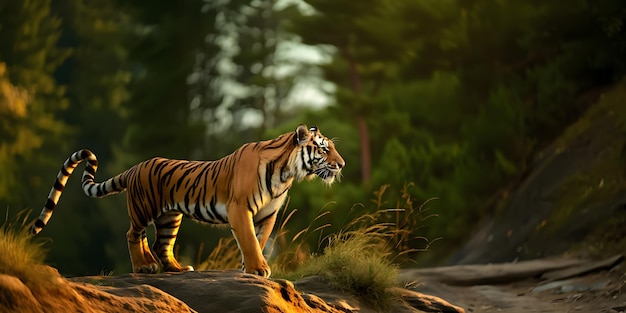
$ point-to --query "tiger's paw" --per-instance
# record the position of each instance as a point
(263, 270)
(179, 269)
(149, 268)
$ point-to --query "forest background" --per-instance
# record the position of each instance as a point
(443, 99)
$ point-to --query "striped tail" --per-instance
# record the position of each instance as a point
(91, 189)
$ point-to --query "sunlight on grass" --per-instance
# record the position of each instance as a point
(23, 257)
(225, 255)
(357, 262)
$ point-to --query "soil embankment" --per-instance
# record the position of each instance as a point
(542, 286)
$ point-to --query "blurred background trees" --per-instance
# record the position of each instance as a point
(454, 96)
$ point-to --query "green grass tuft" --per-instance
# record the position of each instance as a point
(357, 262)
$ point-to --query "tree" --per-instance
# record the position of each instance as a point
(168, 40)
(97, 73)
(461, 94)
(15, 137)
(29, 34)
(257, 32)
(246, 82)
(373, 41)
(97, 76)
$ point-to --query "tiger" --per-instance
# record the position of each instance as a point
(245, 190)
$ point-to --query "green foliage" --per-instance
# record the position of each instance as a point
(97, 75)
(30, 33)
(16, 137)
(165, 54)
(462, 105)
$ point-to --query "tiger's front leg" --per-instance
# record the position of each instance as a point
(242, 226)
(263, 229)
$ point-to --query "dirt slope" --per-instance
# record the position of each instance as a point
(573, 199)
(546, 286)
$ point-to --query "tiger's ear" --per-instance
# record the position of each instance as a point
(302, 135)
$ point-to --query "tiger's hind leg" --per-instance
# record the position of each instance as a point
(167, 226)
(140, 255)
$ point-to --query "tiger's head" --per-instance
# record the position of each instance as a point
(316, 155)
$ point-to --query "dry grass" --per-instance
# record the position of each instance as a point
(397, 228)
(356, 262)
(225, 255)
(362, 257)
(23, 257)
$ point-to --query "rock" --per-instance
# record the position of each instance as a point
(468, 275)
(206, 291)
(565, 286)
(141, 298)
(224, 291)
(408, 300)
(318, 286)
(583, 268)
(233, 291)
(426, 303)
(56, 294)
(548, 269)
(16, 297)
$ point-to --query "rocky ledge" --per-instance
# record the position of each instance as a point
(207, 291)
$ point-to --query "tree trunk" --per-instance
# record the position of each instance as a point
(365, 149)
(364, 137)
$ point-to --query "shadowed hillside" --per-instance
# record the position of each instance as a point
(572, 201)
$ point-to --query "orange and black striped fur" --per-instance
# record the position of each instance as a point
(244, 189)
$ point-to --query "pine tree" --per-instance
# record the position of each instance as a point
(171, 37)
(372, 42)
(29, 36)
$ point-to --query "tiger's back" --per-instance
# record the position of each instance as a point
(160, 185)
